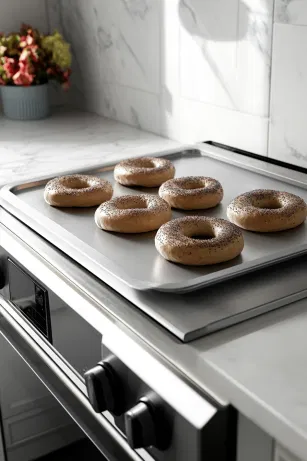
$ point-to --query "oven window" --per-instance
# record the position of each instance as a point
(30, 298)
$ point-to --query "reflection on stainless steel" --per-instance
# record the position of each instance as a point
(101, 252)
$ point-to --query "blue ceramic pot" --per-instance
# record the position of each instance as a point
(25, 102)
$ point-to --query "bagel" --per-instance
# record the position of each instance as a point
(133, 214)
(144, 171)
(192, 192)
(77, 190)
(264, 210)
(197, 241)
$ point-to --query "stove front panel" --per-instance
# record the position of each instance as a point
(76, 342)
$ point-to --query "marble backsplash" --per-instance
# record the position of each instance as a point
(291, 12)
(288, 134)
(191, 70)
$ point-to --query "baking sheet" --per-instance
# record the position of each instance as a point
(133, 259)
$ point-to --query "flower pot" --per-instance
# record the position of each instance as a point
(25, 102)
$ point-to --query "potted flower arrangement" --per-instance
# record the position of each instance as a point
(28, 61)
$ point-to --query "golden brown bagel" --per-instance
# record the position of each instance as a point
(267, 211)
(192, 192)
(180, 240)
(144, 171)
(133, 214)
(77, 190)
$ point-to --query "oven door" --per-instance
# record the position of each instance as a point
(97, 427)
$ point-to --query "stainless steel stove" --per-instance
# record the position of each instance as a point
(108, 344)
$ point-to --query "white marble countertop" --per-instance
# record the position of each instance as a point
(258, 366)
(69, 140)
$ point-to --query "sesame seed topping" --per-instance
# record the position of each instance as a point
(133, 205)
(143, 165)
(265, 202)
(179, 232)
(191, 186)
(76, 185)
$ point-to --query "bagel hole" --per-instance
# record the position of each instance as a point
(202, 237)
(77, 184)
(131, 206)
(269, 204)
(146, 164)
(192, 185)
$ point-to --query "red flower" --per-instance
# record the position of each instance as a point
(30, 52)
(24, 55)
(10, 66)
(26, 67)
(23, 78)
(25, 61)
(25, 74)
(29, 40)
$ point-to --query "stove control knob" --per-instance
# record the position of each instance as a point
(145, 425)
(104, 389)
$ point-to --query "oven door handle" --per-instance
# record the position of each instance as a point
(102, 433)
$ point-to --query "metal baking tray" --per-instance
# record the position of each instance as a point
(133, 259)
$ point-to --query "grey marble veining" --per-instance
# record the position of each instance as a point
(288, 140)
(136, 8)
(113, 74)
(259, 33)
(156, 63)
(230, 45)
(69, 140)
(294, 154)
(105, 30)
(287, 133)
(291, 12)
(281, 13)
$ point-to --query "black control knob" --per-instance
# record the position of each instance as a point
(104, 388)
(140, 426)
(146, 426)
